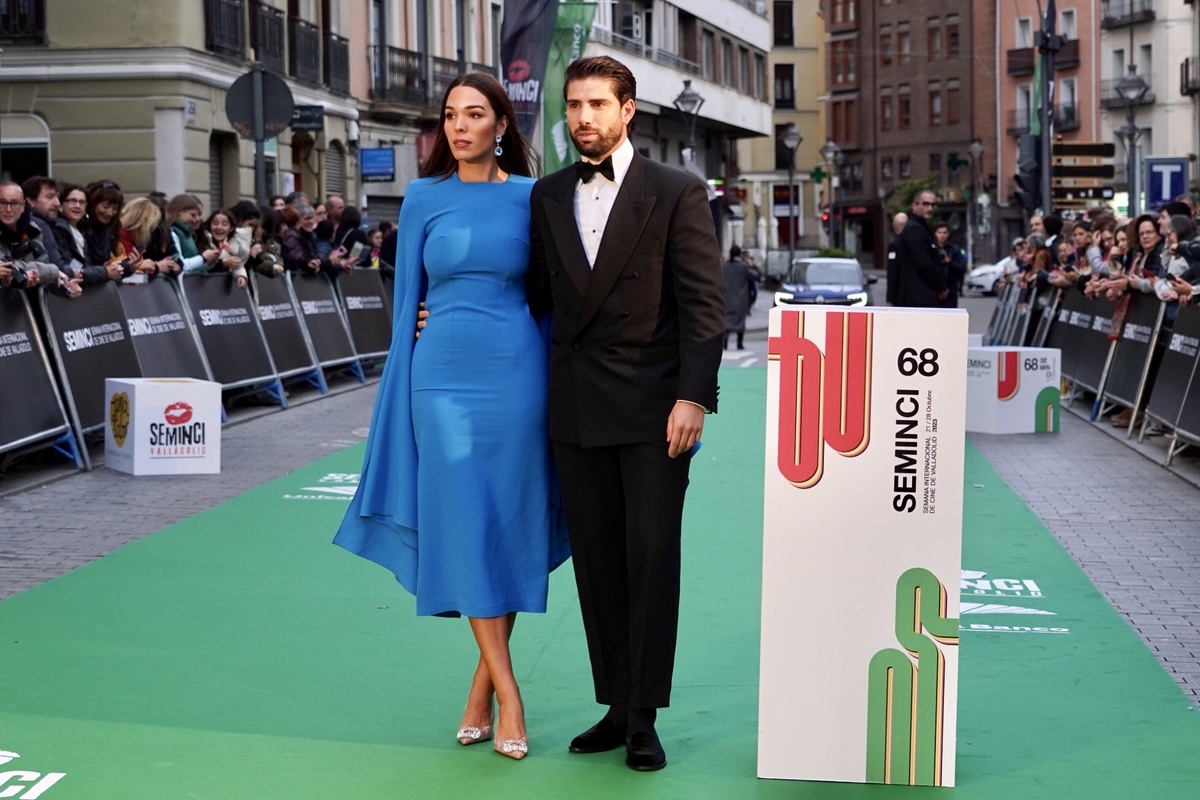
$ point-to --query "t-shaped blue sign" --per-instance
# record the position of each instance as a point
(1166, 179)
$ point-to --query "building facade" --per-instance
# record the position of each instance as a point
(907, 96)
(797, 68)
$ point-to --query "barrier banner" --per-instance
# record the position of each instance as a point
(323, 318)
(90, 341)
(166, 345)
(1175, 373)
(863, 501)
(1060, 328)
(227, 322)
(30, 409)
(1091, 343)
(1187, 421)
(367, 312)
(1132, 354)
(283, 327)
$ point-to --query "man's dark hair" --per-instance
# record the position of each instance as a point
(244, 210)
(1053, 224)
(734, 252)
(293, 197)
(1175, 208)
(32, 187)
(620, 79)
(351, 217)
(941, 225)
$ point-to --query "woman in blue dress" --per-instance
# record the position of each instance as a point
(455, 494)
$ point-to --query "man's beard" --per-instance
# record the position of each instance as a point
(604, 141)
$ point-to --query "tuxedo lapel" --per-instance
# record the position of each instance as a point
(629, 214)
(559, 206)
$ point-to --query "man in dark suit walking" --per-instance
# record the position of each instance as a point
(923, 277)
(626, 250)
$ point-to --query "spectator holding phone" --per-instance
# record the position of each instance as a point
(232, 251)
(102, 230)
(351, 239)
(23, 259)
(253, 224)
(142, 231)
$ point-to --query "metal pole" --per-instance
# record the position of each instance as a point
(971, 222)
(791, 209)
(260, 136)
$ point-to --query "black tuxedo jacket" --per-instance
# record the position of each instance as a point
(643, 328)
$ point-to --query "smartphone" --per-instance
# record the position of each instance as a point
(356, 251)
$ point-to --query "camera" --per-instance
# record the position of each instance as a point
(1189, 250)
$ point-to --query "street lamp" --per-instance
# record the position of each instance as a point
(975, 151)
(688, 103)
(791, 139)
(1132, 88)
(833, 156)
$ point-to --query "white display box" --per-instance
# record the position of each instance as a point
(163, 426)
(974, 340)
(862, 544)
(1013, 389)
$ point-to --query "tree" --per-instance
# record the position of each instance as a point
(906, 191)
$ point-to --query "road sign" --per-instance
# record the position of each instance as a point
(272, 96)
(1082, 193)
(1084, 149)
(1166, 179)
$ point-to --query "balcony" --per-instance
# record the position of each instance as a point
(667, 59)
(488, 68)
(337, 64)
(22, 22)
(1118, 13)
(1110, 96)
(1189, 76)
(225, 27)
(270, 42)
(1066, 118)
(305, 52)
(1021, 60)
(397, 79)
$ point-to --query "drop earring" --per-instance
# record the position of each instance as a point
(499, 150)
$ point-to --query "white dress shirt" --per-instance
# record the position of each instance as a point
(594, 201)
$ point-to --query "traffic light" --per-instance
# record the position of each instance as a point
(825, 219)
(1029, 172)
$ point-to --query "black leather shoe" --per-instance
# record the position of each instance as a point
(644, 753)
(605, 735)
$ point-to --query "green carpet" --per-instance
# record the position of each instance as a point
(240, 655)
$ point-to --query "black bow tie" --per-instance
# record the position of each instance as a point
(586, 170)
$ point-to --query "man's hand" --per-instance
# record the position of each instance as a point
(943, 294)
(72, 288)
(684, 427)
(115, 270)
(6, 273)
(31, 278)
(422, 315)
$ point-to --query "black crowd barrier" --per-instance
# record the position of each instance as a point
(323, 317)
(368, 313)
(227, 323)
(30, 408)
(167, 347)
(283, 327)
(1091, 343)
(89, 338)
(1131, 355)
(1176, 373)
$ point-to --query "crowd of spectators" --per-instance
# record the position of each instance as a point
(67, 237)
(1105, 256)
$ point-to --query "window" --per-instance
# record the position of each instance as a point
(1024, 32)
(885, 168)
(953, 46)
(905, 167)
(843, 121)
(1146, 61)
(842, 68)
(953, 101)
(708, 54)
(885, 46)
(935, 166)
(760, 76)
(744, 77)
(935, 103)
(935, 42)
(887, 110)
(726, 62)
(1118, 62)
(785, 28)
(903, 108)
(785, 86)
(1067, 24)
(903, 45)
(1024, 104)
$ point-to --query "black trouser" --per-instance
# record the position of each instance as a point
(624, 508)
(740, 336)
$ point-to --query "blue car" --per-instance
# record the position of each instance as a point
(825, 281)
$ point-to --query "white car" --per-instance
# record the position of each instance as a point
(987, 277)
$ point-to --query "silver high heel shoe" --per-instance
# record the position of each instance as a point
(469, 734)
(513, 748)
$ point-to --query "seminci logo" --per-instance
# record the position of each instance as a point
(824, 397)
(33, 784)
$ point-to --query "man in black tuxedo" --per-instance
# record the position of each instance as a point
(625, 250)
(924, 279)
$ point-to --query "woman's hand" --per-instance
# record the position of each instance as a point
(256, 250)
(422, 316)
(231, 262)
(278, 270)
(314, 264)
(6, 273)
(211, 255)
(114, 270)
(240, 280)
(71, 287)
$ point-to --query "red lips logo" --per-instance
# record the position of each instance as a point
(178, 413)
(518, 71)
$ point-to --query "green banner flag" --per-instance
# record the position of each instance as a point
(570, 37)
(1035, 104)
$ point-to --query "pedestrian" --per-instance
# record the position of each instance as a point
(893, 266)
(955, 262)
(922, 273)
(625, 249)
(735, 280)
(455, 493)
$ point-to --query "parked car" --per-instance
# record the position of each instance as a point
(986, 278)
(825, 281)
